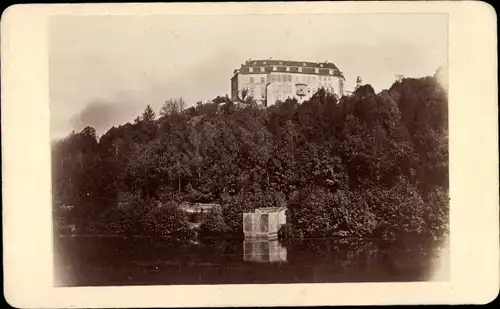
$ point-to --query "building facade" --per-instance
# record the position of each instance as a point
(270, 81)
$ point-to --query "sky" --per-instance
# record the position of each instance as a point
(104, 70)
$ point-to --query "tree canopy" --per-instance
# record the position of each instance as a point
(342, 166)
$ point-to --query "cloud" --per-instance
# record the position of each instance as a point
(101, 115)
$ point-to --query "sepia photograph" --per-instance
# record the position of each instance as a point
(191, 147)
(264, 149)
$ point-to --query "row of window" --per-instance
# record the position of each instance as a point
(262, 92)
(263, 70)
(288, 78)
(281, 93)
(262, 80)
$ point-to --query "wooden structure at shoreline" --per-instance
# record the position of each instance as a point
(264, 222)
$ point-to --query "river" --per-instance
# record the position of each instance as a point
(118, 261)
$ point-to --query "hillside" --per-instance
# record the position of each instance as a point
(368, 165)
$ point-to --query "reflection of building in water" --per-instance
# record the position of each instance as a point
(263, 251)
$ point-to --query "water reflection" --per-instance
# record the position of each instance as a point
(263, 251)
(94, 261)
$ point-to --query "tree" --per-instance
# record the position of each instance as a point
(369, 164)
(243, 96)
(148, 115)
(172, 106)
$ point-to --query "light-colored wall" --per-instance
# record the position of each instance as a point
(261, 224)
(279, 86)
(255, 83)
(283, 85)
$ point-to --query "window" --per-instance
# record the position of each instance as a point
(263, 80)
(262, 69)
(308, 79)
(278, 78)
(314, 78)
(262, 93)
(251, 80)
(296, 79)
(289, 78)
(250, 70)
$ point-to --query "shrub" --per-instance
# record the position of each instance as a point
(436, 213)
(288, 232)
(350, 215)
(213, 223)
(165, 221)
(320, 213)
(399, 210)
(309, 212)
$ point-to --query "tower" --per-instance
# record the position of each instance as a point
(359, 82)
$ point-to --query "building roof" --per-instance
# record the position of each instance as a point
(271, 62)
(270, 66)
(270, 209)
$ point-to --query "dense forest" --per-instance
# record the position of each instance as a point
(366, 165)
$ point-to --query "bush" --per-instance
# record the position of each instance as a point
(350, 215)
(136, 216)
(436, 213)
(309, 212)
(399, 210)
(288, 232)
(321, 213)
(167, 221)
(213, 223)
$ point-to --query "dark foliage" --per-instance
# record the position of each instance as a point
(365, 165)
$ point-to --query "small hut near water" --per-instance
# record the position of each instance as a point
(264, 222)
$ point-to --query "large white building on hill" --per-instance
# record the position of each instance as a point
(269, 81)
